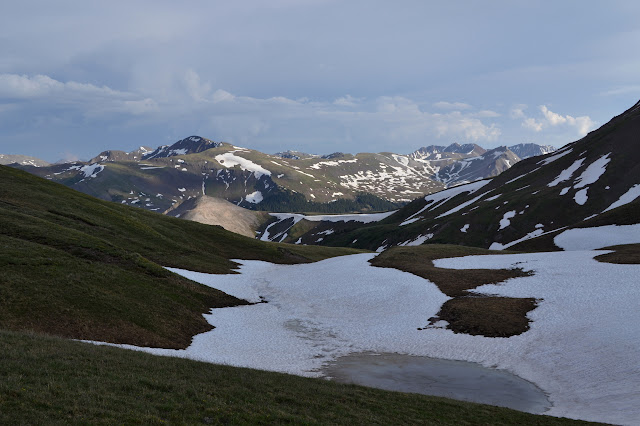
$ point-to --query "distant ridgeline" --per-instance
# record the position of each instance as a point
(591, 182)
(161, 178)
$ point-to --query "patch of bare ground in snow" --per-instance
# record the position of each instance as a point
(628, 254)
(467, 312)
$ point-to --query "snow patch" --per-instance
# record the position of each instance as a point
(230, 160)
(92, 170)
(626, 198)
(505, 221)
(598, 237)
(581, 196)
(255, 197)
(593, 172)
(566, 173)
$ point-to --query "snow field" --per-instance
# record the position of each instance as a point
(584, 344)
(582, 349)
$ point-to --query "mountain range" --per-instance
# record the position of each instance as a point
(162, 178)
(78, 267)
(591, 182)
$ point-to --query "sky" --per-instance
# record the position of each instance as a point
(319, 76)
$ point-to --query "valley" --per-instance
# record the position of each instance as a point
(512, 272)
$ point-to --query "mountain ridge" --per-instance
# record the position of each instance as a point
(594, 180)
(286, 182)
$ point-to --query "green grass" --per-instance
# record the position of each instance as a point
(51, 381)
(79, 267)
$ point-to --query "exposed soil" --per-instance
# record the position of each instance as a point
(467, 312)
(627, 254)
(488, 316)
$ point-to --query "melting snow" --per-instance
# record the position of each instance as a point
(420, 239)
(504, 222)
(555, 157)
(626, 198)
(438, 198)
(598, 237)
(331, 163)
(230, 160)
(593, 172)
(581, 196)
(92, 170)
(464, 228)
(254, 197)
(582, 348)
(362, 217)
(566, 173)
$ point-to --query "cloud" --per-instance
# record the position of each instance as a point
(452, 105)
(549, 119)
(14, 86)
(582, 124)
(533, 124)
(192, 105)
(347, 101)
(517, 111)
(486, 113)
(197, 90)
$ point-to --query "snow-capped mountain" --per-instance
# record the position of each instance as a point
(23, 160)
(190, 145)
(489, 164)
(287, 182)
(526, 150)
(593, 181)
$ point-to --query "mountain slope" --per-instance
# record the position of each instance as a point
(285, 182)
(218, 211)
(23, 160)
(595, 180)
(526, 150)
(83, 268)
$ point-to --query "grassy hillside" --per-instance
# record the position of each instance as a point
(52, 381)
(79, 267)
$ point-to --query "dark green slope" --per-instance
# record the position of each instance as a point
(52, 381)
(530, 193)
(83, 268)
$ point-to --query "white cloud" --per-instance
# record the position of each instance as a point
(193, 104)
(486, 113)
(533, 124)
(197, 90)
(24, 87)
(549, 119)
(452, 105)
(582, 124)
(517, 111)
(553, 118)
(347, 101)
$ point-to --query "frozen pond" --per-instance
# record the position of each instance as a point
(466, 381)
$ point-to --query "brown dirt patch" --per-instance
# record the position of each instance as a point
(627, 254)
(469, 313)
(486, 315)
(452, 282)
